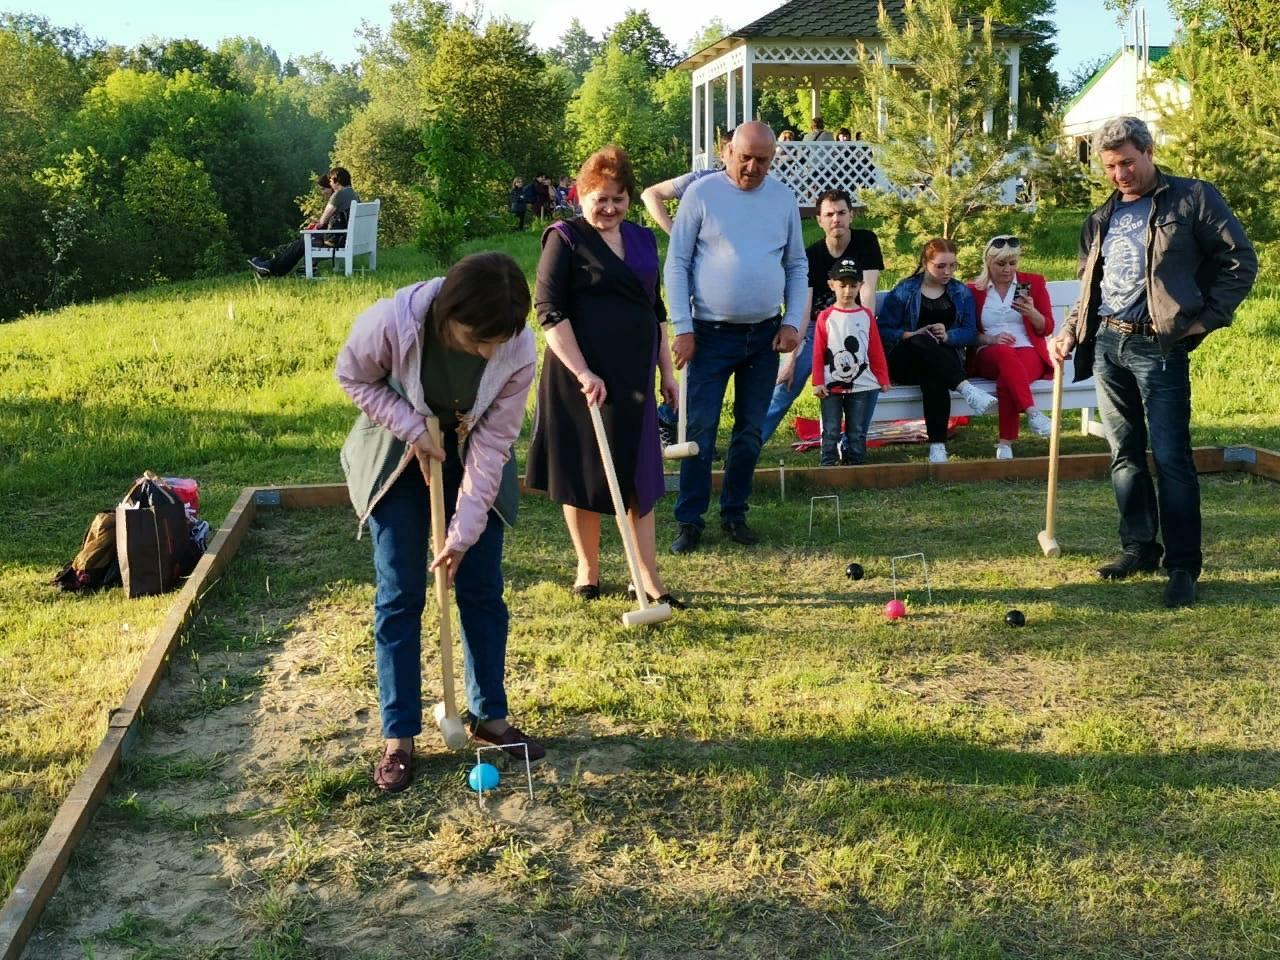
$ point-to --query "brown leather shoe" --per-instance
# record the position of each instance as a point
(509, 736)
(394, 771)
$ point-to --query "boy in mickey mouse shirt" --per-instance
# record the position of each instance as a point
(848, 367)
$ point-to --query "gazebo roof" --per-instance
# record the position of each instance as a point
(830, 19)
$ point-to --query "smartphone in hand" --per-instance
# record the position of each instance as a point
(1024, 290)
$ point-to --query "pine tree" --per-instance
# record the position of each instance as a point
(1227, 133)
(937, 75)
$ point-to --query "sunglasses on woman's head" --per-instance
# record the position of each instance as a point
(998, 243)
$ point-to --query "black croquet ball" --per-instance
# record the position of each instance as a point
(1015, 618)
(854, 571)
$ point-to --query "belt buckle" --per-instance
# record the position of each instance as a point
(1130, 328)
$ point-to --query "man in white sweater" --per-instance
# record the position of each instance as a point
(736, 257)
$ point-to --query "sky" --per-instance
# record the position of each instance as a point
(293, 27)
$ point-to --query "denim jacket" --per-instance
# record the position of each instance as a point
(901, 313)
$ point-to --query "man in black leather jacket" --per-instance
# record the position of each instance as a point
(1163, 262)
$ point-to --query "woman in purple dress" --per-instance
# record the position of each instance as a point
(597, 299)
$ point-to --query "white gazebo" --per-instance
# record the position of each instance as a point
(813, 44)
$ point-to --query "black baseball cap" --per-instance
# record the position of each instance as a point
(845, 269)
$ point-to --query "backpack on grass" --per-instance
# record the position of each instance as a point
(96, 565)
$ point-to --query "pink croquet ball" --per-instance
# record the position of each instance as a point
(895, 609)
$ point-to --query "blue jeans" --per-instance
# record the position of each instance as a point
(1142, 396)
(745, 353)
(856, 410)
(401, 529)
(784, 396)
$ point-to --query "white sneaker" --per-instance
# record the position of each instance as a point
(979, 400)
(1004, 451)
(937, 453)
(1040, 425)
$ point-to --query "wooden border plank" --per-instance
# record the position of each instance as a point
(313, 495)
(1266, 463)
(1208, 460)
(1074, 466)
(39, 879)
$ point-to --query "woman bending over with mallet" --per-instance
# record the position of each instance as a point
(456, 350)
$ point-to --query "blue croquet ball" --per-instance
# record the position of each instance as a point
(483, 776)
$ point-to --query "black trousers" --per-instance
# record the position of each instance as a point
(283, 262)
(935, 368)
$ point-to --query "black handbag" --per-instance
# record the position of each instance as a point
(153, 540)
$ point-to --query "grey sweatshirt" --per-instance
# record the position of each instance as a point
(736, 255)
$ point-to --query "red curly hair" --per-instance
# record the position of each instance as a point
(607, 163)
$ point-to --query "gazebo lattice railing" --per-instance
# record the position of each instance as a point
(812, 42)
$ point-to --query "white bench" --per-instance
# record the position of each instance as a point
(903, 403)
(361, 238)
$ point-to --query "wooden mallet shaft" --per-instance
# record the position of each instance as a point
(445, 713)
(1048, 541)
(648, 613)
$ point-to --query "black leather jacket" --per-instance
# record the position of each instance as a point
(1200, 266)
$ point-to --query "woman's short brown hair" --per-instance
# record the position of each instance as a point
(607, 163)
(485, 292)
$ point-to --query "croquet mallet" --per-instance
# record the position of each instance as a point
(445, 712)
(1048, 541)
(683, 448)
(648, 612)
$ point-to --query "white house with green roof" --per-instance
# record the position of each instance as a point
(811, 45)
(1123, 86)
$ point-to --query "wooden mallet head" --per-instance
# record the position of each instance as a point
(680, 451)
(683, 448)
(452, 731)
(1049, 544)
(657, 613)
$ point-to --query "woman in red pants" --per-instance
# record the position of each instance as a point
(1014, 318)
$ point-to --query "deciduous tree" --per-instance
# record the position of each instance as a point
(577, 50)
(1228, 133)
(637, 33)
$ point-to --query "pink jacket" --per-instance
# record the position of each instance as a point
(380, 368)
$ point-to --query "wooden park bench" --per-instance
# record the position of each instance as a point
(903, 403)
(359, 237)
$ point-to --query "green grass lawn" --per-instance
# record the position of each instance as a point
(230, 381)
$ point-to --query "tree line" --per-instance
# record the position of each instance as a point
(121, 167)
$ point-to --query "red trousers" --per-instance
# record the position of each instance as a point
(1013, 369)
